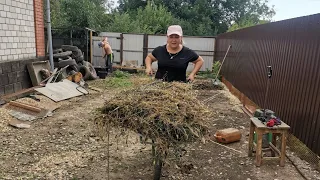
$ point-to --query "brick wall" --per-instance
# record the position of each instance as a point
(21, 42)
(17, 30)
(39, 27)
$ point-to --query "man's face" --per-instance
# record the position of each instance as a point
(174, 40)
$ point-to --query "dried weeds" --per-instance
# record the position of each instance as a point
(167, 113)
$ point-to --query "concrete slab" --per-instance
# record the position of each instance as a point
(62, 90)
(34, 71)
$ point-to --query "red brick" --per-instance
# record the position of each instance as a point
(39, 27)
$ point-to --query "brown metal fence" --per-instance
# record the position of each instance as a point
(292, 48)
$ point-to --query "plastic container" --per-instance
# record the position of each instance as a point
(228, 135)
(266, 139)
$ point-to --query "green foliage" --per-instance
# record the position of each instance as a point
(122, 23)
(202, 17)
(197, 17)
(245, 23)
(119, 79)
(146, 18)
(78, 13)
(120, 74)
(211, 74)
(142, 20)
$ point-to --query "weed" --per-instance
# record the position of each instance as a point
(120, 74)
(211, 74)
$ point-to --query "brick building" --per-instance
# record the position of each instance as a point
(22, 41)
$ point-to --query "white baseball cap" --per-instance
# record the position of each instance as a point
(174, 29)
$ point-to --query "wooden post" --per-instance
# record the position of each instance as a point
(283, 148)
(145, 47)
(121, 49)
(259, 147)
(251, 139)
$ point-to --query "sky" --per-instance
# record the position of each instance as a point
(287, 9)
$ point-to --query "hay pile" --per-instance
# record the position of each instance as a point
(206, 84)
(167, 113)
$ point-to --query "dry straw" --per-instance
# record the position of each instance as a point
(167, 113)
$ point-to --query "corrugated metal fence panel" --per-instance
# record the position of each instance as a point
(97, 53)
(114, 41)
(133, 48)
(292, 48)
(204, 46)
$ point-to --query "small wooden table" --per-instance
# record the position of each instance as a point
(257, 126)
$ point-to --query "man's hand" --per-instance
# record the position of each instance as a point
(191, 77)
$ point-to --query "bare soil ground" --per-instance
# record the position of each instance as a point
(67, 146)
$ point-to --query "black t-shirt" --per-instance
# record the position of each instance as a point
(173, 67)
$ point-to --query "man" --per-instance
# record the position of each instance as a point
(174, 58)
(108, 53)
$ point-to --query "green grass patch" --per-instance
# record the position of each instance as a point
(118, 82)
(120, 74)
(211, 74)
(119, 79)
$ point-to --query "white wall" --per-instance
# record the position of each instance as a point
(17, 31)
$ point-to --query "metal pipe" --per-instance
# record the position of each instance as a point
(49, 35)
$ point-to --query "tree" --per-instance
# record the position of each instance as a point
(122, 23)
(135, 21)
(244, 23)
(208, 17)
(153, 18)
(79, 13)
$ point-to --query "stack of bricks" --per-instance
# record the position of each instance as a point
(21, 42)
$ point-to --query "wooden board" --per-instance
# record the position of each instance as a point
(62, 90)
(260, 125)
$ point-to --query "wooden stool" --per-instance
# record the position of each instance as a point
(257, 126)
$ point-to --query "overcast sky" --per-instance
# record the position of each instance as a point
(287, 9)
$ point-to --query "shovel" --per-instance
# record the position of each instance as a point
(216, 81)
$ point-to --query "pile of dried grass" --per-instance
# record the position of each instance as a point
(206, 84)
(167, 113)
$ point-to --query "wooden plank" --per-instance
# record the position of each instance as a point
(25, 106)
(259, 148)
(283, 148)
(260, 125)
(19, 94)
(271, 158)
(53, 73)
(251, 139)
(274, 148)
(128, 68)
